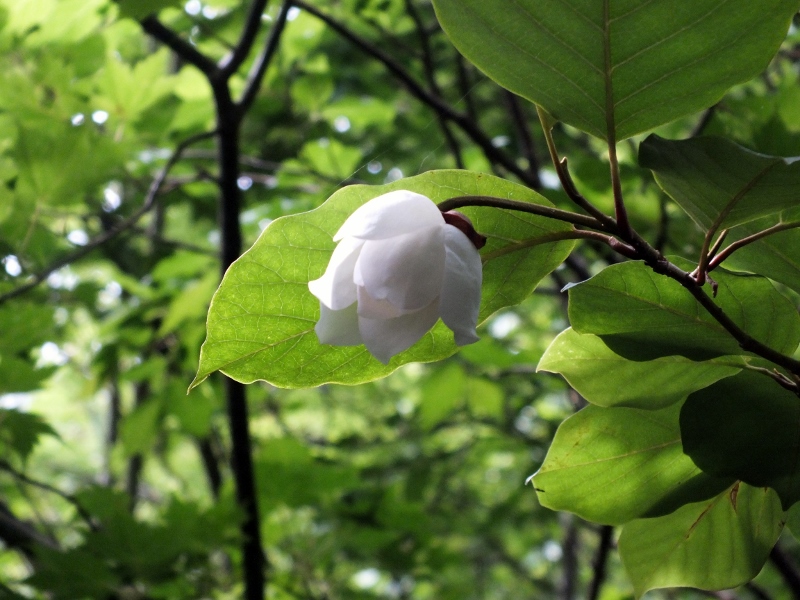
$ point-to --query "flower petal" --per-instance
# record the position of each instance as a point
(394, 213)
(335, 289)
(386, 337)
(371, 308)
(405, 270)
(460, 298)
(338, 327)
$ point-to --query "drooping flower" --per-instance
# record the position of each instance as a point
(399, 265)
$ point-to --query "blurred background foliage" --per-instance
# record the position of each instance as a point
(115, 484)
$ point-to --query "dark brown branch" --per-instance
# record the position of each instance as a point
(179, 46)
(569, 560)
(562, 170)
(231, 63)
(599, 562)
(114, 230)
(263, 61)
(524, 135)
(254, 560)
(470, 127)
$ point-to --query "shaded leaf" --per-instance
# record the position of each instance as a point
(713, 545)
(20, 432)
(611, 465)
(718, 182)
(614, 69)
(607, 379)
(746, 427)
(642, 315)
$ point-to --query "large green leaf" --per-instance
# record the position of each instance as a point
(642, 315)
(713, 545)
(606, 379)
(746, 427)
(261, 320)
(718, 182)
(611, 465)
(617, 68)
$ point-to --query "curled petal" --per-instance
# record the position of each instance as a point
(335, 289)
(460, 298)
(338, 327)
(405, 270)
(391, 214)
(386, 337)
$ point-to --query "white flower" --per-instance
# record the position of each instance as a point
(399, 266)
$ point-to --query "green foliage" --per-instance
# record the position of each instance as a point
(116, 483)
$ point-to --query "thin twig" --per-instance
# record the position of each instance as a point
(725, 254)
(557, 236)
(263, 61)
(524, 135)
(439, 105)
(252, 23)
(550, 212)
(562, 170)
(430, 76)
(84, 514)
(114, 230)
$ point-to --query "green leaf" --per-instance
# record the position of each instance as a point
(20, 432)
(713, 545)
(262, 317)
(18, 375)
(607, 379)
(642, 315)
(441, 393)
(718, 182)
(793, 520)
(614, 69)
(746, 427)
(611, 465)
(139, 429)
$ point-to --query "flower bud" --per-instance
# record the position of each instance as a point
(400, 265)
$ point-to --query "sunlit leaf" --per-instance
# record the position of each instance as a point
(261, 321)
(607, 379)
(713, 545)
(611, 465)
